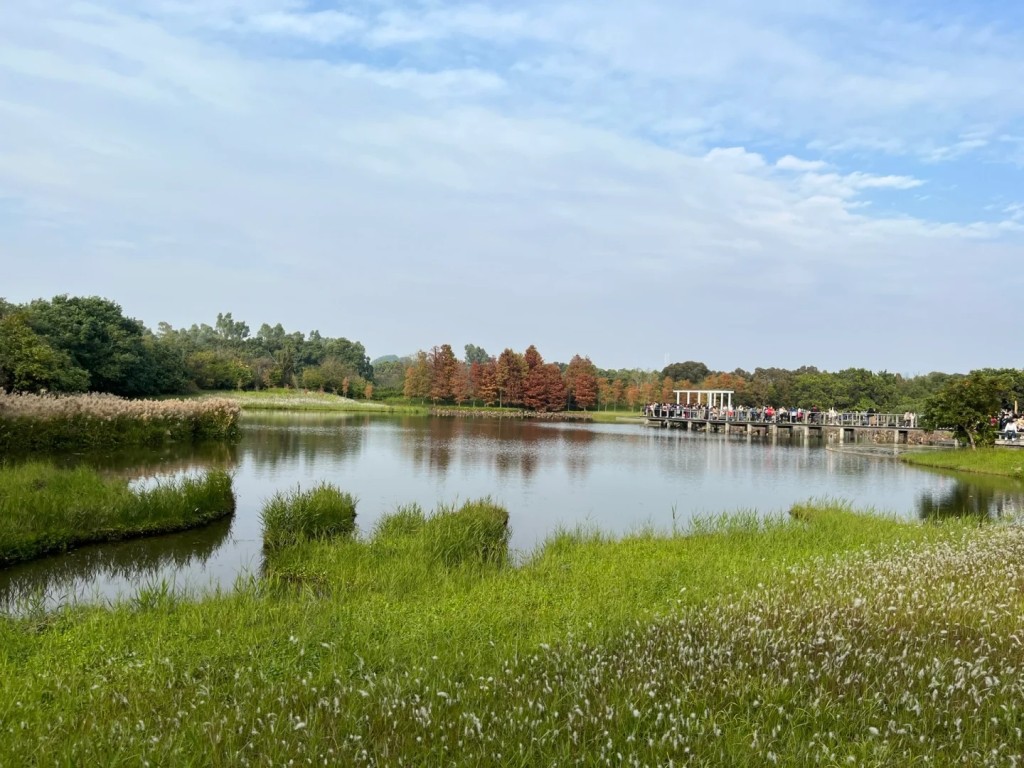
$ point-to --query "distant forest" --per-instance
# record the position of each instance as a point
(80, 344)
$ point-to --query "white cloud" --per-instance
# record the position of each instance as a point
(318, 27)
(791, 163)
(397, 196)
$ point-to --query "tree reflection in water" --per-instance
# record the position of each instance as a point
(982, 496)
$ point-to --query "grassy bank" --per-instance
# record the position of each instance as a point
(822, 638)
(44, 509)
(31, 423)
(1008, 462)
(299, 400)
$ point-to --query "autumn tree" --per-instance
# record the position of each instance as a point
(462, 385)
(510, 374)
(485, 382)
(443, 371)
(581, 382)
(417, 378)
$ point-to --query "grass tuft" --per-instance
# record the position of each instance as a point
(298, 516)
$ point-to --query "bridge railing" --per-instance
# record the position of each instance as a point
(814, 418)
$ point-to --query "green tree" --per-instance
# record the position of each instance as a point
(475, 354)
(691, 371)
(29, 364)
(968, 406)
(97, 337)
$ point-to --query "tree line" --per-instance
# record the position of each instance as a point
(78, 344)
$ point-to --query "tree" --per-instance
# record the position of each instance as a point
(97, 337)
(691, 371)
(509, 375)
(230, 330)
(417, 378)
(968, 406)
(581, 382)
(444, 369)
(532, 358)
(29, 364)
(485, 381)
(475, 354)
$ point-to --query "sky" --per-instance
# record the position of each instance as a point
(737, 182)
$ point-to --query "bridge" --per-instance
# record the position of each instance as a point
(712, 411)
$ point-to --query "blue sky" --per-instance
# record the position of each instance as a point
(824, 183)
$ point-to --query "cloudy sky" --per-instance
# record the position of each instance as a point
(824, 183)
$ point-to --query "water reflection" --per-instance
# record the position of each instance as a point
(616, 478)
(982, 496)
(271, 439)
(60, 579)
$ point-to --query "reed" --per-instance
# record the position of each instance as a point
(45, 509)
(31, 422)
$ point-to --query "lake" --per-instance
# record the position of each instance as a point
(613, 477)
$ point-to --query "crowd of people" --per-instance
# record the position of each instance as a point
(1011, 425)
(770, 415)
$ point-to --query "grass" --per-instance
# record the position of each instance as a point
(39, 423)
(825, 637)
(1008, 462)
(296, 517)
(44, 509)
(300, 400)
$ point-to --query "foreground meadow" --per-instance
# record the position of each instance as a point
(829, 638)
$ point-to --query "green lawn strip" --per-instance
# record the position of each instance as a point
(1008, 462)
(346, 631)
(45, 509)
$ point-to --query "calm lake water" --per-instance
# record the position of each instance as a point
(614, 477)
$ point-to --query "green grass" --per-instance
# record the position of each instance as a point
(298, 516)
(300, 400)
(1008, 462)
(45, 509)
(744, 641)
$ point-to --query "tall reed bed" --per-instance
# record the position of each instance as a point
(45, 509)
(54, 422)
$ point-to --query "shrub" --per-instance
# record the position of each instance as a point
(299, 516)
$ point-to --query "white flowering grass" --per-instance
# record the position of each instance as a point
(831, 640)
(31, 422)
